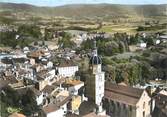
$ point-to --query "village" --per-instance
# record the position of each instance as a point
(76, 61)
(59, 92)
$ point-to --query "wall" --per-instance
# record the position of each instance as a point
(144, 107)
(58, 113)
(67, 71)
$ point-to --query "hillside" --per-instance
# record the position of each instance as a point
(91, 11)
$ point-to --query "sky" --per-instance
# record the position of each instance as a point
(64, 2)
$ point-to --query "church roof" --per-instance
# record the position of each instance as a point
(94, 60)
(123, 94)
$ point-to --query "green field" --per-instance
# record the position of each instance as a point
(119, 28)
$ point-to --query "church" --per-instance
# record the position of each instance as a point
(95, 84)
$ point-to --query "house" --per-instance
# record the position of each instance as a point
(47, 64)
(44, 78)
(157, 42)
(46, 74)
(125, 101)
(73, 85)
(39, 54)
(26, 50)
(142, 44)
(57, 108)
(74, 104)
(163, 38)
(66, 68)
(49, 90)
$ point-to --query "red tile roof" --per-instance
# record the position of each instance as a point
(55, 106)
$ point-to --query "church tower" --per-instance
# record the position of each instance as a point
(95, 84)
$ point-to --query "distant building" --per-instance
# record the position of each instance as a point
(125, 101)
(163, 38)
(142, 44)
(157, 42)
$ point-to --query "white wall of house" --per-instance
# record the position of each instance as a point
(20, 56)
(67, 71)
(49, 64)
(144, 106)
(143, 45)
(58, 113)
(74, 89)
(157, 42)
(39, 99)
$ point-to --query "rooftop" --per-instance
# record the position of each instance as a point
(48, 89)
(9, 80)
(36, 54)
(72, 82)
(66, 63)
(56, 105)
(163, 37)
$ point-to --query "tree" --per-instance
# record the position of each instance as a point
(150, 41)
(30, 30)
(133, 40)
(29, 102)
(122, 47)
(140, 28)
(66, 42)
(8, 38)
(10, 97)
